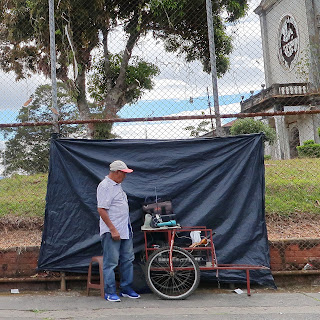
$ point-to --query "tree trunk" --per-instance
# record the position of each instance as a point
(116, 99)
(114, 102)
(82, 101)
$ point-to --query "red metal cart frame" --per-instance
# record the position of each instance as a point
(170, 236)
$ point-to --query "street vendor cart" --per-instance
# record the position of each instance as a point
(173, 270)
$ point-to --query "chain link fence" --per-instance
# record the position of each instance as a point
(145, 67)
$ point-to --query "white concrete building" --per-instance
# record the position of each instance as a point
(290, 32)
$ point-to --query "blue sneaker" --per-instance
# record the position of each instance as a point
(112, 297)
(130, 294)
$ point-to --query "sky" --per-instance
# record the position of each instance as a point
(168, 129)
(177, 84)
(181, 81)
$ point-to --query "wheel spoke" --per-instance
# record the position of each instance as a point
(179, 283)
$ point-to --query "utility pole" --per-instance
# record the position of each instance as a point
(213, 65)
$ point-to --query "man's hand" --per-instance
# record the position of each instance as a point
(115, 234)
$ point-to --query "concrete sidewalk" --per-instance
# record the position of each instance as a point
(201, 305)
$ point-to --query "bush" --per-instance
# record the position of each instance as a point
(309, 150)
(308, 142)
(247, 126)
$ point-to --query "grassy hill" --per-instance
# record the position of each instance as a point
(292, 186)
(23, 195)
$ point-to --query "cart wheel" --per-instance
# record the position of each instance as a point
(180, 283)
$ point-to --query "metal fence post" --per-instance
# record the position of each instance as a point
(55, 109)
(219, 131)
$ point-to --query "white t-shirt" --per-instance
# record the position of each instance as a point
(111, 197)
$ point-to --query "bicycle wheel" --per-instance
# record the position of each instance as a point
(178, 284)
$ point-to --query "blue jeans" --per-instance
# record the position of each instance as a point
(117, 253)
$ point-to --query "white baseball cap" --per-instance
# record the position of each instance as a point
(119, 165)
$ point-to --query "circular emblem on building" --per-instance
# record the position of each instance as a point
(288, 42)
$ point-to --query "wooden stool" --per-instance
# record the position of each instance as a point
(100, 285)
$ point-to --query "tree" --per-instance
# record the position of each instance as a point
(199, 130)
(248, 125)
(82, 26)
(139, 72)
(27, 148)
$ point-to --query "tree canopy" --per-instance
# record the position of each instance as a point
(248, 125)
(27, 148)
(84, 26)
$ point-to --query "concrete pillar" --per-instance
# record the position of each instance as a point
(315, 125)
(264, 35)
(283, 137)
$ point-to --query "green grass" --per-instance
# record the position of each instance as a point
(292, 186)
(23, 195)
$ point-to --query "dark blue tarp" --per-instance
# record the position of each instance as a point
(216, 182)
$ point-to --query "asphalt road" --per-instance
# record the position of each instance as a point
(203, 304)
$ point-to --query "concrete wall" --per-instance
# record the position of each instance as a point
(294, 254)
(18, 262)
(284, 255)
(270, 23)
(305, 126)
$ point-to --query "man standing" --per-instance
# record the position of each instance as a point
(116, 232)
